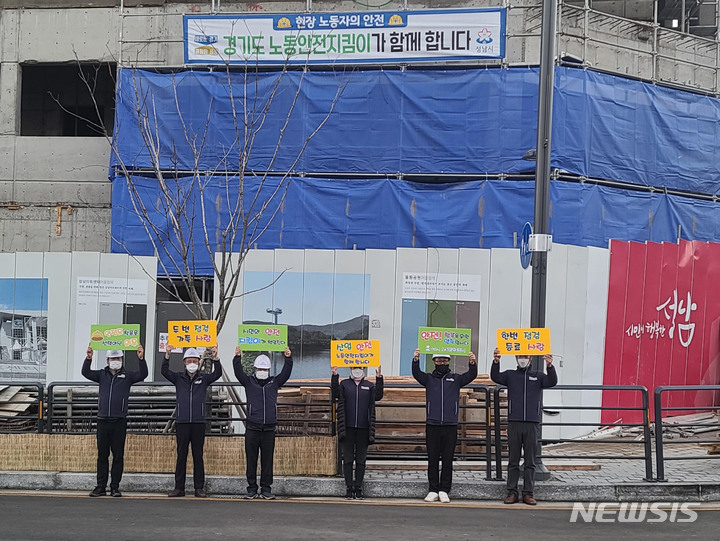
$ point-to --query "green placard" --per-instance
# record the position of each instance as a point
(442, 340)
(262, 337)
(106, 337)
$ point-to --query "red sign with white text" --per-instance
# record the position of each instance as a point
(663, 324)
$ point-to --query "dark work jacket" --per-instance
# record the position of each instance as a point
(524, 388)
(114, 389)
(262, 394)
(442, 393)
(356, 403)
(190, 392)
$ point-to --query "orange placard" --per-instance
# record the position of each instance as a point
(186, 334)
(523, 341)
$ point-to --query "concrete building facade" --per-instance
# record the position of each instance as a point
(54, 188)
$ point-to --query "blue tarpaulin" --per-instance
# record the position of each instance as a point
(340, 214)
(474, 121)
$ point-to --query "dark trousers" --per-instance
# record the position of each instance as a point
(260, 442)
(192, 434)
(521, 436)
(110, 437)
(440, 441)
(354, 449)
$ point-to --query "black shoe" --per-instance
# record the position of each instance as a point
(98, 491)
(177, 493)
(115, 492)
(359, 494)
(200, 493)
(250, 495)
(349, 494)
(267, 495)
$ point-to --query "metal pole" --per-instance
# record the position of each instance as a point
(542, 186)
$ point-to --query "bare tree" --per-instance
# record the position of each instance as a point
(246, 201)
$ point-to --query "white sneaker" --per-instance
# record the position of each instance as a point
(432, 497)
(444, 498)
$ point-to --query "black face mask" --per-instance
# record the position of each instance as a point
(442, 369)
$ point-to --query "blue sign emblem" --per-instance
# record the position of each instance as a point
(525, 253)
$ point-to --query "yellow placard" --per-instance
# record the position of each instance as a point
(355, 353)
(523, 341)
(198, 333)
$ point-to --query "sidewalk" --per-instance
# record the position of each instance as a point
(598, 480)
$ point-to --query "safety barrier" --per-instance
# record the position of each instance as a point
(660, 441)
(21, 407)
(72, 407)
(400, 427)
(644, 425)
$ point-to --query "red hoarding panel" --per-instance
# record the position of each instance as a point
(663, 323)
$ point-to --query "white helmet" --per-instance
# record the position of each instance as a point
(262, 362)
(191, 352)
(114, 354)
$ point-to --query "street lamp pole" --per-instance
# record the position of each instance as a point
(541, 243)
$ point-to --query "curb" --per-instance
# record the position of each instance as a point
(375, 488)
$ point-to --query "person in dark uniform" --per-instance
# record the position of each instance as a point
(524, 388)
(190, 391)
(114, 382)
(356, 399)
(442, 396)
(261, 391)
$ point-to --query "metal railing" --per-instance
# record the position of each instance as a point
(21, 410)
(404, 438)
(660, 441)
(72, 407)
(646, 443)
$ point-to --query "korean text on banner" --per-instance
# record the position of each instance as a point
(357, 37)
(444, 340)
(523, 341)
(185, 334)
(107, 337)
(262, 337)
(355, 353)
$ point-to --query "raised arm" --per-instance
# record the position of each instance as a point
(240, 374)
(284, 374)
(418, 374)
(379, 386)
(335, 384)
(471, 373)
(165, 368)
(217, 367)
(550, 379)
(498, 377)
(139, 375)
(92, 375)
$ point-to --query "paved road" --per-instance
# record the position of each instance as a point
(77, 517)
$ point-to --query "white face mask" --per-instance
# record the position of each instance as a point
(192, 367)
(357, 373)
(115, 365)
(523, 363)
(262, 374)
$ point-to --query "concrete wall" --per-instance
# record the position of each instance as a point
(37, 173)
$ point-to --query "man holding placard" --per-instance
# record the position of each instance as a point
(442, 395)
(524, 388)
(355, 422)
(113, 394)
(261, 391)
(190, 391)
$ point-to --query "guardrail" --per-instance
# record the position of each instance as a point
(659, 440)
(72, 408)
(645, 425)
(404, 437)
(21, 407)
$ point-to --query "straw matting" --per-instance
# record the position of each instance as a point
(304, 455)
